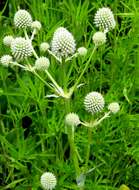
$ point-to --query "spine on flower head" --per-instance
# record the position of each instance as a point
(22, 19)
(21, 48)
(72, 119)
(104, 19)
(94, 102)
(63, 43)
(48, 181)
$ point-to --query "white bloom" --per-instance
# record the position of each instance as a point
(114, 107)
(99, 38)
(104, 19)
(6, 60)
(72, 119)
(42, 63)
(7, 40)
(36, 25)
(48, 181)
(82, 51)
(21, 48)
(63, 43)
(94, 102)
(22, 19)
(44, 46)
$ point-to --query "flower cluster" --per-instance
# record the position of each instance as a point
(104, 20)
(94, 103)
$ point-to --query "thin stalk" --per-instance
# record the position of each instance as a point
(82, 73)
(59, 89)
(37, 75)
(51, 53)
(33, 34)
(88, 148)
(73, 150)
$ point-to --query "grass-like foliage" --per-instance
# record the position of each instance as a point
(69, 95)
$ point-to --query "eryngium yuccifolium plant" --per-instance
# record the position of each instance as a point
(82, 51)
(114, 107)
(42, 63)
(94, 102)
(72, 119)
(99, 38)
(104, 19)
(48, 181)
(63, 43)
(7, 40)
(6, 60)
(21, 48)
(44, 46)
(22, 19)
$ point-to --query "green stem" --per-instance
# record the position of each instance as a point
(37, 75)
(82, 73)
(88, 148)
(58, 88)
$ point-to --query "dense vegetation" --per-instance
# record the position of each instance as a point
(32, 128)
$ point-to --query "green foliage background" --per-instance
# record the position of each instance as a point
(32, 137)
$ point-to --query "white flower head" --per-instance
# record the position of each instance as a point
(99, 38)
(114, 107)
(44, 46)
(22, 19)
(94, 102)
(48, 181)
(82, 51)
(42, 63)
(6, 60)
(104, 19)
(7, 40)
(72, 119)
(36, 25)
(21, 48)
(63, 43)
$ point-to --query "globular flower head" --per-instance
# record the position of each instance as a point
(44, 46)
(72, 119)
(48, 181)
(104, 19)
(124, 187)
(114, 107)
(21, 48)
(82, 51)
(36, 25)
(7, 40)
(22, 19)
(63, 43)
(94, 102)
(42, 63)
(99, 38)
(6, 60)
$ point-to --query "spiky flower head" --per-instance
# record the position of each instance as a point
(22, 19)
(82, 51)
(63, 43)
(99, 38)
(104, 19)
(42, 63)
(48, 181)
(44, 46)
(36, 25)
(114, 107)
(94, 102)
(6, 60)
(72, 119)
(7, 40)
(21, 48)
